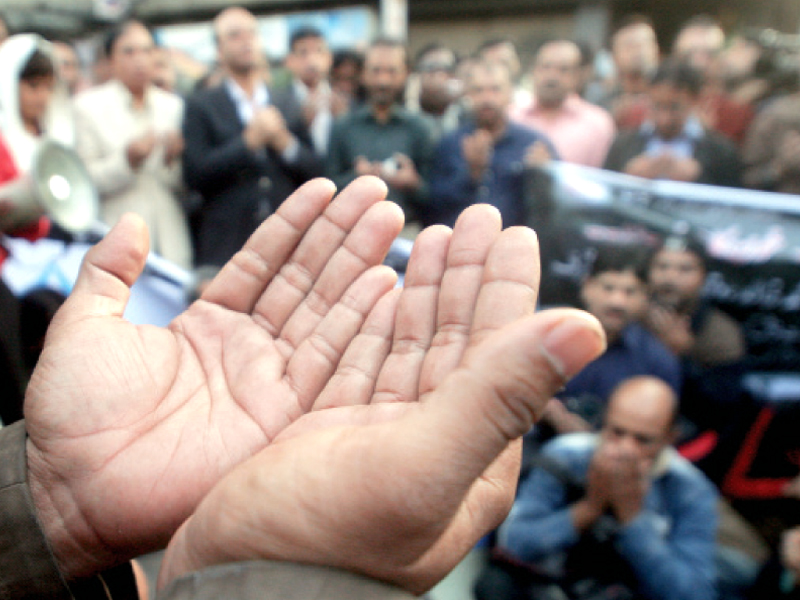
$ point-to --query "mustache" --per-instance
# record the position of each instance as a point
(665, 288)
(616, 312)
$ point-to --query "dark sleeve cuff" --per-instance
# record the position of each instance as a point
(28, 568)
(264, 580)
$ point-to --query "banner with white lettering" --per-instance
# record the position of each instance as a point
(752, 239)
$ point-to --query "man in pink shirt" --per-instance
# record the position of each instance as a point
(581, 132)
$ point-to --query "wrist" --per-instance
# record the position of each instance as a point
(77, 551)
(625, 515)
(280, 141)
(252, 139)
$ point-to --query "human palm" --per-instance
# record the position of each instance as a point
(399, 482)
(129, 426)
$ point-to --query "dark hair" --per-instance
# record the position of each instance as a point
(116, 32)
(683, 242)
(388, 42)
(621, 259)
(38, 65)
(347, 55)
(434, 47)
(488, 66)
(305, 32)
(679, 75)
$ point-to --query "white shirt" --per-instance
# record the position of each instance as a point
(320, 127)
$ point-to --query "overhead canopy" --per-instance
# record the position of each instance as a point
(60, 18)
(64, 19)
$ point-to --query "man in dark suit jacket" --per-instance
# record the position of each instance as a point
(673, 144)
(241, 154)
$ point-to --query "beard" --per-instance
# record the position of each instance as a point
(670, 297)
(383, 96)
(487, 117)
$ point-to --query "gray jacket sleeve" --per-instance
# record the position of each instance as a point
(28, 569)
(263, 580)
(27, 566)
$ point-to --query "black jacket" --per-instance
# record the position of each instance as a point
(717, 156)
(239, 188)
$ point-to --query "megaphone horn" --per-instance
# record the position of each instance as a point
(57, 185)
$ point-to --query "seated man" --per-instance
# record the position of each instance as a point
(615, 291)
(678, 315)
(673, 144)
(648, 516)
(709, 342)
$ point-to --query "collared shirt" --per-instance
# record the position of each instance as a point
(359, 134)
(681, 146)
(106, 121)
(245, 105)
(453, 188)
(246, 108)
(581, 132)
(320, 127)
(669, 545)
(636, 352)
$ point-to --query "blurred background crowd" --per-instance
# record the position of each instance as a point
(204, 128)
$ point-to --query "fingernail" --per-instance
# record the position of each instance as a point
(573, 343)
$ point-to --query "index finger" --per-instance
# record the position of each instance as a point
(244, 278)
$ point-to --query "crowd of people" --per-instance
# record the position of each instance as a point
(610, 504)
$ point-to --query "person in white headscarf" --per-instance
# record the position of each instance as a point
(34, 107)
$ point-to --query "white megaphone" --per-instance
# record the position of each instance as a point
(57, 185)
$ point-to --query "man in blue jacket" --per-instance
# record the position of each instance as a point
(485, 161)
(656, 511)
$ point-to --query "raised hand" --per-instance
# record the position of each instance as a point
(477, 149)
(129, 427)
(140, 148)
(629, 485)
(673, 329)
(430, 402)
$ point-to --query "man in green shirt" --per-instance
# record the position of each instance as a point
(381, 138)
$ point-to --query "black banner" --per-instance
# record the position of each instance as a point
(752, 239)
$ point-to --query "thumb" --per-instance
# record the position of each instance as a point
(504, 384)
(108, 271)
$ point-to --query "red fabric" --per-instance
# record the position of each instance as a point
(699, 447)
(737, 484)
(9, 172)
(8, 166)
(726, 116)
